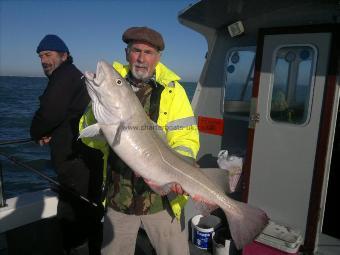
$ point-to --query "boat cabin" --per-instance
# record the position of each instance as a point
(269, 92)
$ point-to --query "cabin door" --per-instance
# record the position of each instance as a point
(287, 108)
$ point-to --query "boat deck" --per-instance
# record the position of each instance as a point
(41, 238)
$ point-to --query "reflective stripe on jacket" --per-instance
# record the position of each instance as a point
(175, 117)
(86, 120)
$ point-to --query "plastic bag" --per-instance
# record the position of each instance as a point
(233, 165)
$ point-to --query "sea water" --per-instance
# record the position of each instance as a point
(19, 100)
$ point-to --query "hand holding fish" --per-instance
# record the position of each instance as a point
(177, 188)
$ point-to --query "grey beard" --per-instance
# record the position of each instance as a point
(143, 76)
(140, 75)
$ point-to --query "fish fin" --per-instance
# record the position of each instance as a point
(92, 131)
(115, 130)
(159, 189)
(246, 223)
(116, 134)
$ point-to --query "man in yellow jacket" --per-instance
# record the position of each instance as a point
(131, 203)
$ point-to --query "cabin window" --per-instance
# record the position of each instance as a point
(293, 71)
(239, 74)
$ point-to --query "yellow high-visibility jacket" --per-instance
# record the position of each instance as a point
(175, 117)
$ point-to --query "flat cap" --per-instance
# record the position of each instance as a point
(144, 34)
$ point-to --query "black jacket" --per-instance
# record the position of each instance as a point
(61, 106)
(78, 166)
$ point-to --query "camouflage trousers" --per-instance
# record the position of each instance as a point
(164, 232)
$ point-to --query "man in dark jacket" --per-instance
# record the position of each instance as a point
(78, 167)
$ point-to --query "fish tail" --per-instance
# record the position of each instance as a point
(245, 223)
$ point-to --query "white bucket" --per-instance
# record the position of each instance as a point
(221, 242)
(202, 229)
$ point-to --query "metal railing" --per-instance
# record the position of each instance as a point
(2, 197)
(36, 171)
(10, 142)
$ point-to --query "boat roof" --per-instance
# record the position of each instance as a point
(259, 13)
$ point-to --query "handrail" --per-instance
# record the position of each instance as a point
(16, 141)
(2, 197)
(59, 185)
(8, 142)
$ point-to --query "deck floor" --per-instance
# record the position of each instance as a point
(36, 238)
(143, 247)
(328, 245)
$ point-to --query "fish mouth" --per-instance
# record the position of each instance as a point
(98, 77)
(91, 84)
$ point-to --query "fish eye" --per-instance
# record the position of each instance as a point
(119, 82)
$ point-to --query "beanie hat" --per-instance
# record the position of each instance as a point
(144, 34)
(53, 43)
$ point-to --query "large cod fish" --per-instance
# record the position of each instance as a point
(123, 121)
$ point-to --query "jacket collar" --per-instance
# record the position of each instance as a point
(60, 67)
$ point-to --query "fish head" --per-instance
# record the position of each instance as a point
(107, 90)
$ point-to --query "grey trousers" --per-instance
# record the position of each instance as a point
(164, 232)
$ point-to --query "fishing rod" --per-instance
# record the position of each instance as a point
(24, 140)
(59, 185)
